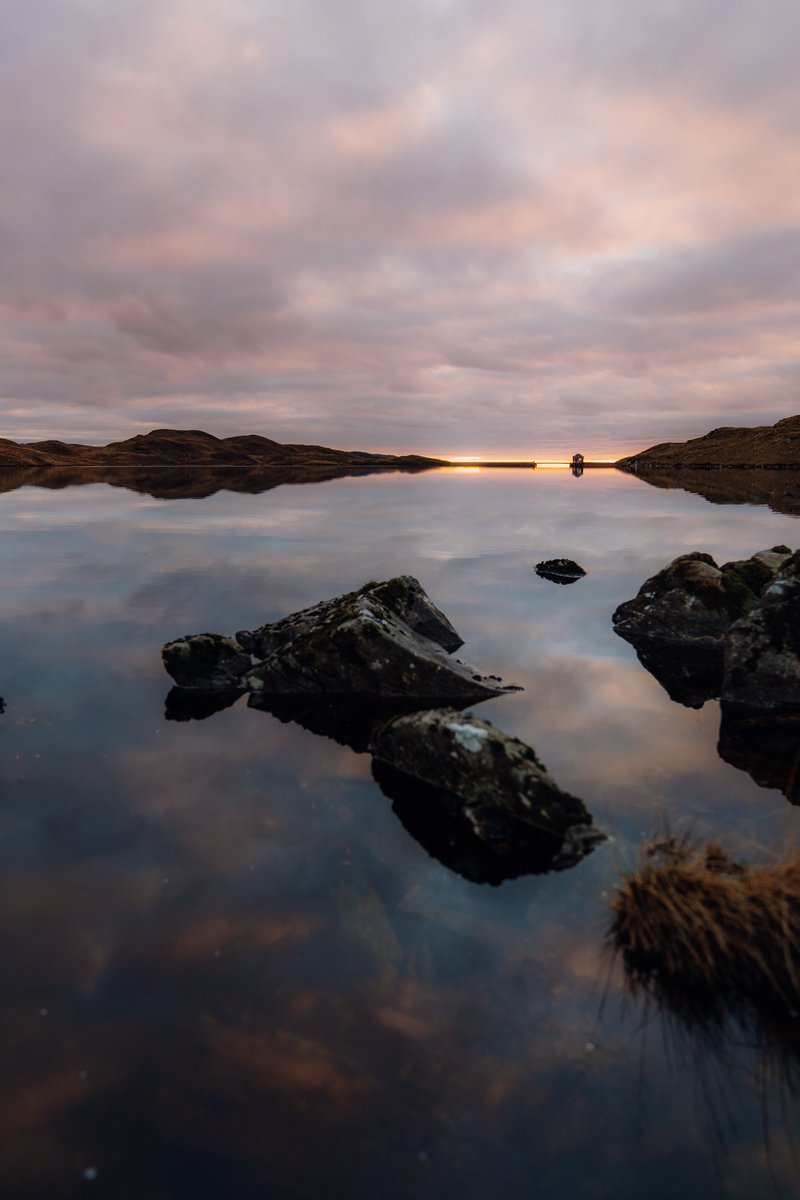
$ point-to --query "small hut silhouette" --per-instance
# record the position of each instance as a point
(577, 460)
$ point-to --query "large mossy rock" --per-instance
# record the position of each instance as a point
(491, 784)
(690, 600)
(404, 596)
(387, 641)
(358, 646)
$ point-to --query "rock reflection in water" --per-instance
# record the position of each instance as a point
(688, 676)
(434, 818)
(767, 749)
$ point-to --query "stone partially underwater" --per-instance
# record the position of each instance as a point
(732, 632)
(559, 570)
(479, 800)
(386, 640)
(372, 670)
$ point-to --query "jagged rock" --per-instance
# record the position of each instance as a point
(360, 647)
(762, 650)
(492, 788)
(206, 661)
(559, 570)
(404, 596)
(691, 600)
(387, 641)
(680, 618)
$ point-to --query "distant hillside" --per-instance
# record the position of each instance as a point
(192, 447)
(763, 446)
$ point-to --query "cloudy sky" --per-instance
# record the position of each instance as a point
(437, 225)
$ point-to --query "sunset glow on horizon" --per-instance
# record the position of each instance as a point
(397, 228)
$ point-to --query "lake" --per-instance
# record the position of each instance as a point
(231, 969)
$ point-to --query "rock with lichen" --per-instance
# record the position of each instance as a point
(680, 619)
(387, 641)
(358, 646)
(404, 596)
(491, 783)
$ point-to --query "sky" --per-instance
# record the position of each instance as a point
(511, 229)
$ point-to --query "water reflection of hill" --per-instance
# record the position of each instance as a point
(186, 483)
(779, 489)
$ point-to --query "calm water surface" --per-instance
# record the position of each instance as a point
(230, 970)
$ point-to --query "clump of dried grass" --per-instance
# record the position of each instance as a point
(703, 931)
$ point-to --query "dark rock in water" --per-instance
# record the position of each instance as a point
(692, 601)
(559, 570)
(762, 650)
(680, 619)
(768, 749)
(436, 819)
(2, 705)
(493, 785)
(387, 641)
(404, 596)
(205, 661)
(733, 632)
(360, 647)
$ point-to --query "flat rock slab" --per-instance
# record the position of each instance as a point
(495, 783)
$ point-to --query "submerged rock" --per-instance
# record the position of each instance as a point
(559, 570)
(491, 790)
